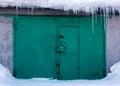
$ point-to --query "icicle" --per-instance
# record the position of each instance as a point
(95, 15)
(16, 10)
(113, 12)
(119, 11)
(104, 18)
(67, 12)
(4, 7)
(75, 12)
(28, 10)
(32, 10)
(92, 22)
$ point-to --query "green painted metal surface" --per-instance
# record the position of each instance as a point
(35, 47)
(69, 58)
(59, 47)
(92, 48)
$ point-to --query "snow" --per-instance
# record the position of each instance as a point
(4, 72)
(85, 5)
(115, 72)
(113, 79)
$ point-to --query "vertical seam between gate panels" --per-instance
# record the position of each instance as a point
(79, 48)
(57, 55)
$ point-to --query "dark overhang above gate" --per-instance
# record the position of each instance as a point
(50, 12)
(40, 11)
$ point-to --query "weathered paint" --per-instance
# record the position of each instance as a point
(92, 48)
(36, 39)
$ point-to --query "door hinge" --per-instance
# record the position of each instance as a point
(58, 65)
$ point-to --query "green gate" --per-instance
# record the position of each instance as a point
(59, 47)
(34, 40)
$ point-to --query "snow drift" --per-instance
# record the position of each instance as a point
(84, 5)
(4, 72)
(6, 79)
(115, 72)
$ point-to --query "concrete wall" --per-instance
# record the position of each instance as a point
(112, 41)
(6, 42)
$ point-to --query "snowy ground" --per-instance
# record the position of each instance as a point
(113, 79)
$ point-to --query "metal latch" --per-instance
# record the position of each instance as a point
(61, 47)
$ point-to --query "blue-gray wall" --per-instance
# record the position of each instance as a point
(6, 42)
(113, 41)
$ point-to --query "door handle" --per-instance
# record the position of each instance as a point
(61, 47)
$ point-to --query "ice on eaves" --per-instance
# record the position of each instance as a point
(75, 5)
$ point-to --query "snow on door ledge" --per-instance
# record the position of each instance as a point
(6, 42)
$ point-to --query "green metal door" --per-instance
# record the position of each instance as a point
(59, 47)
(68, 51)
(92, 48)
(34, 47)
(81, 48)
